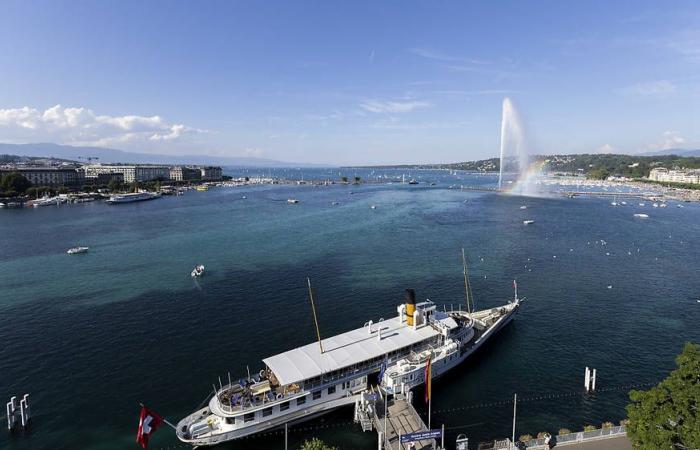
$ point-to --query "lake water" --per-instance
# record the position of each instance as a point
(89, 336)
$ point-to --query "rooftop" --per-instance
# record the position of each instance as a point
(347, 349)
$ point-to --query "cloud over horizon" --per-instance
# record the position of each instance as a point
(82, 126)
(393, 107)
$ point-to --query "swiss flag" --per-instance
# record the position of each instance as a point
(148, 424)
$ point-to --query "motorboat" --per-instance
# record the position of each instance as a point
(76, 250)
(528, 222)
(641, 216)
(292, 201)
(198, 271)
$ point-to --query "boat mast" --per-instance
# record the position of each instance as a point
(313, 309)
(467, 286)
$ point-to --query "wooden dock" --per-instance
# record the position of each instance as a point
(402, 418)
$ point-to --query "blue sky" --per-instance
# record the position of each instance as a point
(350, 82)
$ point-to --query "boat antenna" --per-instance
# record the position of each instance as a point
(467, 286)
(313, 309)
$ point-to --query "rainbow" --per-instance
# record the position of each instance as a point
(525, 184)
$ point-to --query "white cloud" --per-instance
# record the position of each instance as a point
(438, 56)
(660, 88)
(81, 126)
(393, 107)
(254, 152)
(606, 148)
(671, 139)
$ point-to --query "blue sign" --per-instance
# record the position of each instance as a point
(371, 397)
(421, 435)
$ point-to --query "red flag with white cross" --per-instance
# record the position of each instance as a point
(148, 424)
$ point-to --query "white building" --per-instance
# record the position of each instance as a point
(665, 175)
(47, 176)
(131, 173)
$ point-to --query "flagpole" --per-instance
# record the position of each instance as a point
(430, 401)
(164, 419)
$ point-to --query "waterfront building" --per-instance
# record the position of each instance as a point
(211, 173)
(662, 174)
(184, 173)
(47, 176)
(130, 173)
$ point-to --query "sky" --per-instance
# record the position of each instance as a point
(354, 82)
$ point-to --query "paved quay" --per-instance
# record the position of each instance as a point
(613, 443)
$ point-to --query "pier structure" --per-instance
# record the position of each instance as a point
(18, 414)
(393, 417)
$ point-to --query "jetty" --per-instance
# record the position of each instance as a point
(395, 419)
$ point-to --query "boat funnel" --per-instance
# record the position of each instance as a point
(410, 306)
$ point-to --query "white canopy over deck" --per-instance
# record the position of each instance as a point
(348, 349)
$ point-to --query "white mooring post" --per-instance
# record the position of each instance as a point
(26, 407)
(10, 416)
(23, 413)
(587, 379)
(593, 380)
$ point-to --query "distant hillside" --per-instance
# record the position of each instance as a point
(592, 165)
(673, 151)
(5, 159)
(109, 155)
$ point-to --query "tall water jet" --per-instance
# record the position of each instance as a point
(514, 159)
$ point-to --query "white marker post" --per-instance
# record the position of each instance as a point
(593, 380)
(515, 403)
(587, 379)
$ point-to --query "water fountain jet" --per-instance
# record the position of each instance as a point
(514, 157)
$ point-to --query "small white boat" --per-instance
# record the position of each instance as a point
(335, 203)
(523, 207)
(2, 205)
(373, 206)
(623, 203)
(76, 250)
(197, 271)
(663, 205)
(292, 201)
(528, 222)
(641, 216)
(655, 205)
(642, 204)
(244, 197)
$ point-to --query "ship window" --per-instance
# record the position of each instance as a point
(331, 390)
(267, 412)
(249, 417)
(317, 395)
(284, 406)
(230, 420)
(301, 400)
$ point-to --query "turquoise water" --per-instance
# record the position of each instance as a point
(89, 336)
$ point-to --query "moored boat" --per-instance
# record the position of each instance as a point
(130, 198)
(198, 271)
(310, 380)
(76, 250)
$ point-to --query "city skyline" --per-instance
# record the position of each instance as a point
(349, 84)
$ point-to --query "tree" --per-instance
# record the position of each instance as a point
(114, 185)
(601, 173)
(14, 181)
(316, 444)
(357, 180)
(344, 179)
(666, 416)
